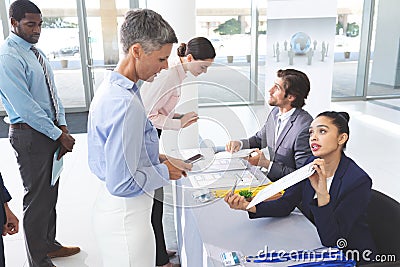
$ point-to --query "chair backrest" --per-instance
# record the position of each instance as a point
(384, 223)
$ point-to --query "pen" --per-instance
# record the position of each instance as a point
(234, 185)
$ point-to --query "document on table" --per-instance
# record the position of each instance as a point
(228, 155)
(223, 179)
(218, 165)
(57, 167)
(282, 184)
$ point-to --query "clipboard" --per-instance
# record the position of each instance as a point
(57, 167)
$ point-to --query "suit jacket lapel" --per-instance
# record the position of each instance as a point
(337, 178)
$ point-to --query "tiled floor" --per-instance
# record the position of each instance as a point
(374, 144)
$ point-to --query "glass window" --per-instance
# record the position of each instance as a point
(384, 66)
(104, 19)
(60, 41)
(347, 48)
(1, 38)
(227, 24)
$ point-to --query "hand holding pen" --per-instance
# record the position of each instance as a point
(236, 201)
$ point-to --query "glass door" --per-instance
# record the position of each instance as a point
(234, 29)
(103, 18)
(384, 64)
(60, 42)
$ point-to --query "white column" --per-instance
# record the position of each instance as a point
(181, 15)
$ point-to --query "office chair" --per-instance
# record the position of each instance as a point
(383, 217)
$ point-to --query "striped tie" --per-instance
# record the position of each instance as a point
(48, 82)
(278, 130)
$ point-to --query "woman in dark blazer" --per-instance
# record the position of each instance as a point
(335, 198)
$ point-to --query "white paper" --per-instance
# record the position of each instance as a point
(223, 180)
(228, 155)
(208, 165)
(282, 184)
(57, 167)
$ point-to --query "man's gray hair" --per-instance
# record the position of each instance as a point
(146, 27)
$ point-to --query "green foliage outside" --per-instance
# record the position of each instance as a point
(57, 22)
(229, 27)
(353, 29)
(338, 27)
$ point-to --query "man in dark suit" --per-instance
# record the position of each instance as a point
(7, 218)
(284, 137)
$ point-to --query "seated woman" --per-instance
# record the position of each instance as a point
(335, 198)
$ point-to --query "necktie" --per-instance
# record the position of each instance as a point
(278, 125)
(48, 81)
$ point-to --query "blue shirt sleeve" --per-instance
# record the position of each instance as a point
(122, 144)
(126, 170)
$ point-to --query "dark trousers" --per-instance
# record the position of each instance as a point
(2, 260)
(34, 152)
(156, 222)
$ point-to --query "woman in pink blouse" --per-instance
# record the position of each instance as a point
(160, 98)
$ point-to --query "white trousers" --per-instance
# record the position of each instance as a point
(123, 230)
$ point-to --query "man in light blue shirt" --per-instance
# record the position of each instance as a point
(37, 129)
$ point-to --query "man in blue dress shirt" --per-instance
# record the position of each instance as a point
(37, 129)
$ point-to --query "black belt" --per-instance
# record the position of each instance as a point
(20, 126)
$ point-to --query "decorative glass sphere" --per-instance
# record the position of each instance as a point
(300, 43)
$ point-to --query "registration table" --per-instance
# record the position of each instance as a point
(205, 230)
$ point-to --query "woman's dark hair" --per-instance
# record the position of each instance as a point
(20, 7)
(295, 83)
(340, 120)
(200, 48)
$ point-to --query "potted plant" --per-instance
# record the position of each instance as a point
(64, 63)
(248, 195)
(248, 58)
